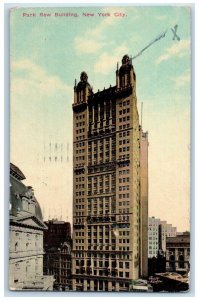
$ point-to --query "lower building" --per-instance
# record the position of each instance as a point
(57, 262)
(153, 237)
(158, 231)
(26, 237)
(57, 257)
(178, 253)
(165, 230)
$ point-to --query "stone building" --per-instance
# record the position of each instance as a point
(109, 225)
(178, 253)
(57, 257)
(26, 237)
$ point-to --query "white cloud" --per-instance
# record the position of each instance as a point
(34, 80)
(85, 45)
(182, 79)
(179, 49)
(94, 38)
(106, 61)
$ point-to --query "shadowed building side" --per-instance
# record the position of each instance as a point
(144, 202)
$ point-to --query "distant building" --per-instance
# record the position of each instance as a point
(157, 232)
(26, 237)
(165, 230)
(178, 253)
(57, 258)
(58, 232)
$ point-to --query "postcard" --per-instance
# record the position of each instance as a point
(100, 101)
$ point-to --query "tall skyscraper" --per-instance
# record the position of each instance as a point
(109, 230)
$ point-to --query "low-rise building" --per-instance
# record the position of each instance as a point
(57, 258)
(178, 253)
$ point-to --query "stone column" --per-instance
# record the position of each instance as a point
(98, 124)
(85, 285)
(103, 176)
(110, 200)
(92, 285)
(110, 185)
(110, 149)
(110, 237)
(117, 287)
(110, 117)
(98, 189)
(103, 237)
(109, 286)
(104, 149)
(93, 116)
(104, 122)
(92, 152)
(98, 151)
(74, 284)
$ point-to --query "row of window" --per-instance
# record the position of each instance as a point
(123, 203)
(79, 233)
(79, 213)
(124, 218)
(79, 179)
(124, 126)
(124, 134)
(124, 248)
(124, 172)
(80, 130)
(124, 119)
(125, 179)
(124, 241)
(124, 156)
(124, 142)
(80, 137)
(124, 149)
(81, 157)
(79, 206)
(78, 124)
(79, 200)
(124, 111)
(124, 103)
(80, 151)
(80, 117)
(80, 144)
(80, 193)
(124, 233)
(80, 186)
(101, 255)
(121, 196)
(124, 188)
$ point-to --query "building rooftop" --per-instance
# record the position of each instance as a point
(16, 172)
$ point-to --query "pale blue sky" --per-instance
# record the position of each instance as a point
(48, 53)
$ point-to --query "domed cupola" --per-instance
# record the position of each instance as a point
(83, 89)
(125, 75)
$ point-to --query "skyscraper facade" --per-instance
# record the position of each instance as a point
(108, 223)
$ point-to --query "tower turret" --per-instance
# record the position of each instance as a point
(82, 90)
(125, 76)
